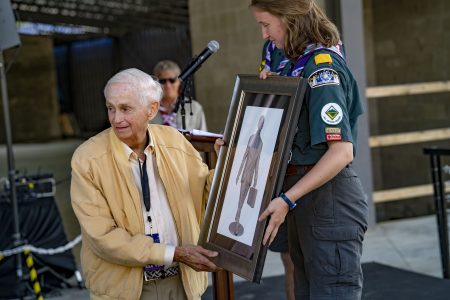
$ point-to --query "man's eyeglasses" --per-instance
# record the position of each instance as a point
(164, 80)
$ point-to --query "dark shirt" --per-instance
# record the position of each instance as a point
(330, 109)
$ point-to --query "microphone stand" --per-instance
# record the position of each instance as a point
(182, 100)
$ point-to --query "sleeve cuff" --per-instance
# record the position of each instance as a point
(168, 255)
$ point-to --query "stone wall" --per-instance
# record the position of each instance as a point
(32, 91)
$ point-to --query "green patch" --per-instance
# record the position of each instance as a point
(332, 113)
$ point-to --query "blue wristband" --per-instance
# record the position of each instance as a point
(288, 201)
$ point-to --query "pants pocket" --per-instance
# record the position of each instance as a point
(323, 204)
(337, 255)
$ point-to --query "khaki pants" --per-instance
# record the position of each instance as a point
(170, 288)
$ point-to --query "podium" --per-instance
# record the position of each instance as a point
(223, 288)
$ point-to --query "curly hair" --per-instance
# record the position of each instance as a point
(305, 23)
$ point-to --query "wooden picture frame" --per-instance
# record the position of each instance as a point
(258, 135)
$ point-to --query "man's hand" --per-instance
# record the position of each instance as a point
(277, 210)
(195, 257)
(219, 143)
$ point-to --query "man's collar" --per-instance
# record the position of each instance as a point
(130, 154)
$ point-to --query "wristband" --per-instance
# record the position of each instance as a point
(288, 201)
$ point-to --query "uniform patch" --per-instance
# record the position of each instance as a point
(331, 113)
(322, 77)
(333, 130)
(333, 137)
(322, 58)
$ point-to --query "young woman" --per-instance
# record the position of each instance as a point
(322, 196)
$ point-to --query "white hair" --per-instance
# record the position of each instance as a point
(165, 65)
(146, 88)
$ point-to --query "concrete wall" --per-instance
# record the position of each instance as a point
(33, 100)
(407, 43)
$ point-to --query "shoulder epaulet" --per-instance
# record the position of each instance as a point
(323, 58)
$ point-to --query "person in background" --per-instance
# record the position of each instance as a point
(274, 62)
(139, 193)
(322, 196)
(167, 72)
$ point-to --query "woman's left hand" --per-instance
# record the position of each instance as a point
(219, 143)
(265, 73)
(277, 210)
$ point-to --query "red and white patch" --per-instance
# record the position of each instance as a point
(333, 137)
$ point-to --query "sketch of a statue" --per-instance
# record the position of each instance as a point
(249, 171)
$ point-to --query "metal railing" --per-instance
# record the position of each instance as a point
(440, 201)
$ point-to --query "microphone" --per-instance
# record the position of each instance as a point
(212, 47)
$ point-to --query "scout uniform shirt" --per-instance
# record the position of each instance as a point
(330, 109)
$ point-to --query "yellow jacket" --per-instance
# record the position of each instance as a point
(107, 204)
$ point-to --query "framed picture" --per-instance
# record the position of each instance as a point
(249, 172)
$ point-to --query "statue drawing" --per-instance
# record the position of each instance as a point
(248, 172)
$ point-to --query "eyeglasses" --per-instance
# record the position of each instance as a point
(164, 80)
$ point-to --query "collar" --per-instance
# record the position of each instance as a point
(164, 111)
(131, 155)
(317, 46)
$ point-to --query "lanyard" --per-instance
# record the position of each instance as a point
(145, 187)
(146, 195)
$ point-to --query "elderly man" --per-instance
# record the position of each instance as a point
(139, 193)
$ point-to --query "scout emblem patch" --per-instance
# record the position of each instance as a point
(331, 113)
(323, 77)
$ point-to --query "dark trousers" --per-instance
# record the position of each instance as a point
(325, 233)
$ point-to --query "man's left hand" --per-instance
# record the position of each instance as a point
(196, 257)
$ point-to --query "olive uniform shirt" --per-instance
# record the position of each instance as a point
(330, 109)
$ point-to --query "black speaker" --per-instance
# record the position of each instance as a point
(8, 31)
(41, 226)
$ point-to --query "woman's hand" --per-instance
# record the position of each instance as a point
(219, 143)
(277, 210)
(265, 73)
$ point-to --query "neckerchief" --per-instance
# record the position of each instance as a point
(268, 59)
(300, 64)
